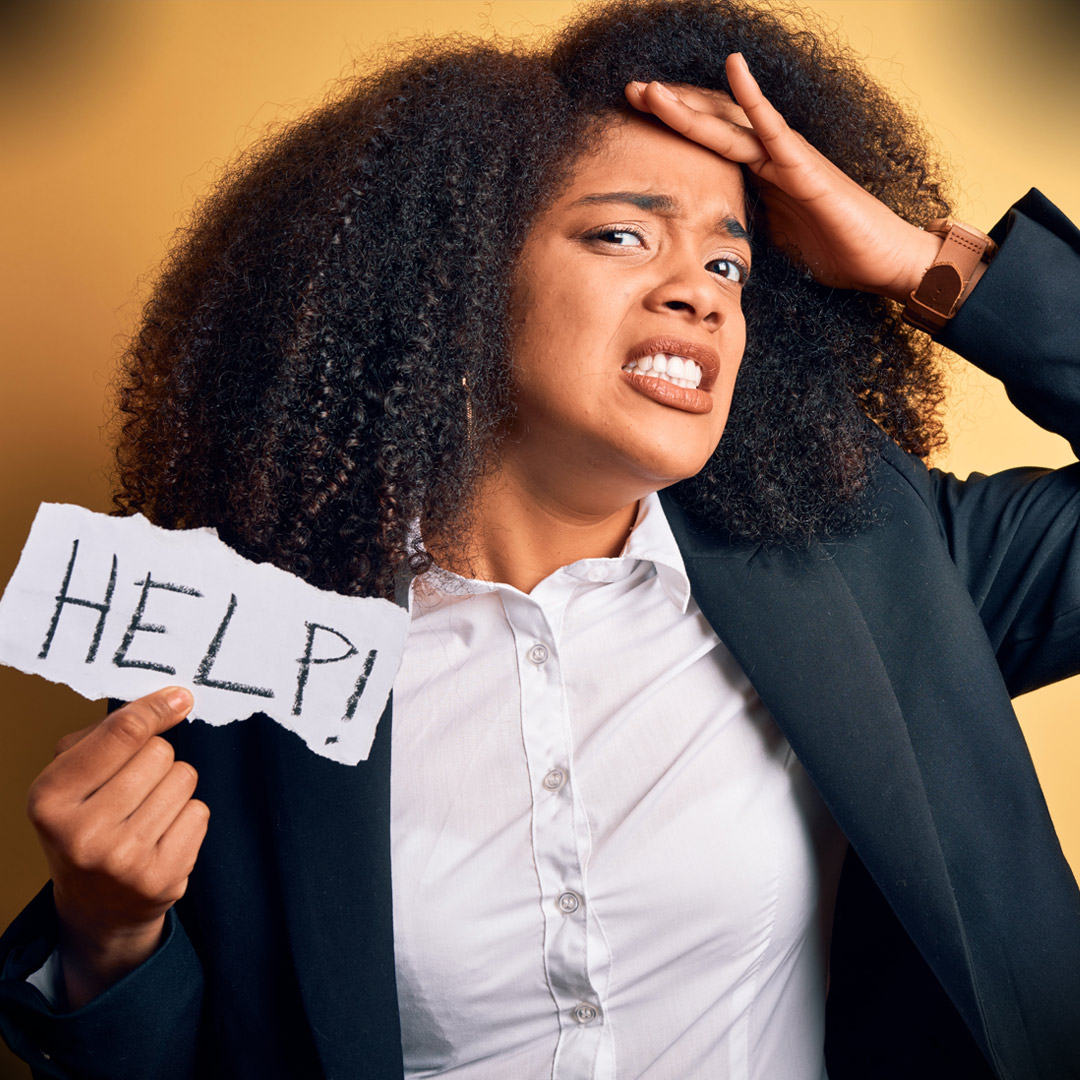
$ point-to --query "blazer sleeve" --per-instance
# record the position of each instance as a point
(146, 1025)
(1015, 536)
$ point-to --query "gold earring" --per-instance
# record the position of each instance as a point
(468, 409)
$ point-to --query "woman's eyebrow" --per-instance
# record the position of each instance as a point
(658, 204)
(661, 204)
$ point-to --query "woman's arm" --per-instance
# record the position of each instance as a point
(120, 830)
(1015, 536)
(1023, 569)
(144, 1025)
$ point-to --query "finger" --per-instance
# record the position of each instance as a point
(155, 815)
(74, 737)
(725, 137)
(158, 875)
(99, 754)
(178, 848)
(124, 792)
(770, 127)
(712, 102)
(701, 97)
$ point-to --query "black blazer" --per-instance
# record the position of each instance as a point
(888, 661)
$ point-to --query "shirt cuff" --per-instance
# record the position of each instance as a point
(49, 980)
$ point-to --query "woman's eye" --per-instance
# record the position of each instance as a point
(728, 268)
(618, 237)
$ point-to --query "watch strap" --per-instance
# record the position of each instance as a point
(938, 296)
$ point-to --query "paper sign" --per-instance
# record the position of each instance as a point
(117, 607)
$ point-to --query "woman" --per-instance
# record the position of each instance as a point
(421, 349)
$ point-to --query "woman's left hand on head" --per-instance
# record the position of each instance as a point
(845, 236)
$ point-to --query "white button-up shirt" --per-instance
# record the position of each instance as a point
(607, 862)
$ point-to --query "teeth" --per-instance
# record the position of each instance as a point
(669, 367)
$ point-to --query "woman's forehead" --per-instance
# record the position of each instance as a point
(635, 155)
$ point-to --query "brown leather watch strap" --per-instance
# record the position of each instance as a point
(943, 286)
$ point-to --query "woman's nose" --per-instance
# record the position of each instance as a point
(690, 291)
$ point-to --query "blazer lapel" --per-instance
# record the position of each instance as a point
(790, 620)
(332, 837)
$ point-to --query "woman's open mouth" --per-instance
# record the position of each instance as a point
(671, 368)
(674, 373)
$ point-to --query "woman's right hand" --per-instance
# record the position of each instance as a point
(845, 236)
(115, 816)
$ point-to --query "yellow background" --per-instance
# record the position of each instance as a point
(115, 116)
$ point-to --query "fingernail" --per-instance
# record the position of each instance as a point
(663, 91)
(179, 699)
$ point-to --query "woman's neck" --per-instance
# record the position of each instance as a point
(520, 536)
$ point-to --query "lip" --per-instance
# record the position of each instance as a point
(707, 359)
(678, 397)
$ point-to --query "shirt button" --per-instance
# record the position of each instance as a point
(554, 780)
(569, 902)
(538, 654)
(584, 1013)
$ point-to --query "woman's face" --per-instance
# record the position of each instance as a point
(627, 320)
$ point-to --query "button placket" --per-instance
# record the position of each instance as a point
(560, 836)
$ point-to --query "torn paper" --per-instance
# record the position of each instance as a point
(117, 607)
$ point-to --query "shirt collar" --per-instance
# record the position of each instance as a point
(650, 540)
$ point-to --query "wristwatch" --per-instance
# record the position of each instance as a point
(938, 295)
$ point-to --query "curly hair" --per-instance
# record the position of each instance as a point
(325, 357)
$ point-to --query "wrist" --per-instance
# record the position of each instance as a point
(920, 253)
(93, 959)
(949, 280)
